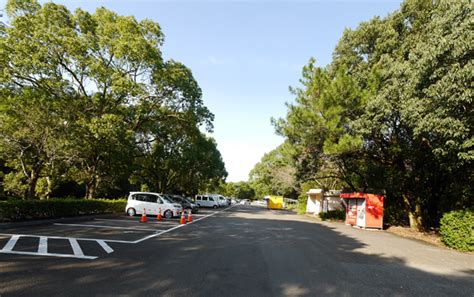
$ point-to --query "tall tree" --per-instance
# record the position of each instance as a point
(393, 109)
(274, 174)
(99, 89)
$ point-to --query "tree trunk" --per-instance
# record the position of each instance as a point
(414, 212)
(91, 188)
(32, 181)
(49, 189)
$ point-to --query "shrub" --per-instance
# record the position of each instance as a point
(19, 210)
(338, 214)
(456, 229)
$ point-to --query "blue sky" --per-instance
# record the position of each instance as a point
(244, 55)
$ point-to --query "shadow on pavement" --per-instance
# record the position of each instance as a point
(227, 255)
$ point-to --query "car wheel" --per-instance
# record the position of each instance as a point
(215, 206)
(168, 214)
(131, 212)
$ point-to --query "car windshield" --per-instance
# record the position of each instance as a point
(167, 199)
(188, 200)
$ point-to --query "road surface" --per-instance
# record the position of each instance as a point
(240, 251)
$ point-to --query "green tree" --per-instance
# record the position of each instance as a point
(101, 97)
(274, 174)
(243, 190)
(393, 110)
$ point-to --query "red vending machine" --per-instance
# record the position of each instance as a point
(363, 209)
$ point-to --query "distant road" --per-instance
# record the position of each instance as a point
(242, 251)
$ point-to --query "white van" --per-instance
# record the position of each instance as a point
(222, 201)
(151, 202)
(207, 201)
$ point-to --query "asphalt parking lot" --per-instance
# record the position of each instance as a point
(87, 238)
(243, 250)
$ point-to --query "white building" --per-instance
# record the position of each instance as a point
(320, 200)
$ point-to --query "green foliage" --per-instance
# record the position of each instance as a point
(275, 173)
(301, 205)
(14, 184)
(457, 230)
(18, 210)
(87, 98)
(243, 190)
(392, 111)
(333, 215)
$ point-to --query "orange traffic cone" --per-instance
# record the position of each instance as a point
(143, 218)
(158, 217)
(182, 221)
(190, 216)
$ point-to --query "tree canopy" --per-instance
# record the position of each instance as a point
(393, 111)
(87, 97)
(274, 174)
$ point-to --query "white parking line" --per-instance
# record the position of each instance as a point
(11, 243)
(61, 237)
(179, 226)
(135, 222)
(105, 227)
(74, 242)
(76, 249)
(49, 255)
(158, 234)
(43, 245)
(43, 248)
(105, 246)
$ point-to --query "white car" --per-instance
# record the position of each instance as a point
(151, 203)
(206, 201)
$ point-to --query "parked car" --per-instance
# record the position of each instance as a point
(137, 202)
(206, 201)
(222, 201)
(185, 203)
(244, 202)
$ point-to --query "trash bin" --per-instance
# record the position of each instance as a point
(363, 209)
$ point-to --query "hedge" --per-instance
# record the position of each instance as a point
(337, 215)
(456, 229)
(20, 210)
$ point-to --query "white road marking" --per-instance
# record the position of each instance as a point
(105, 246)
(43, 245)
(104, 227)
(11, 243)
(78, 253)
(48, 254)
(179, 226)
(60, 237)
(158, 234)
(76, 249)
(135, 222)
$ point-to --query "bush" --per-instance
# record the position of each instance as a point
(338, 214)
(19, 210)
(456, 229)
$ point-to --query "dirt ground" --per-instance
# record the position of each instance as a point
(432, 237)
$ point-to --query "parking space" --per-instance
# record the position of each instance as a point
(89, 238)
